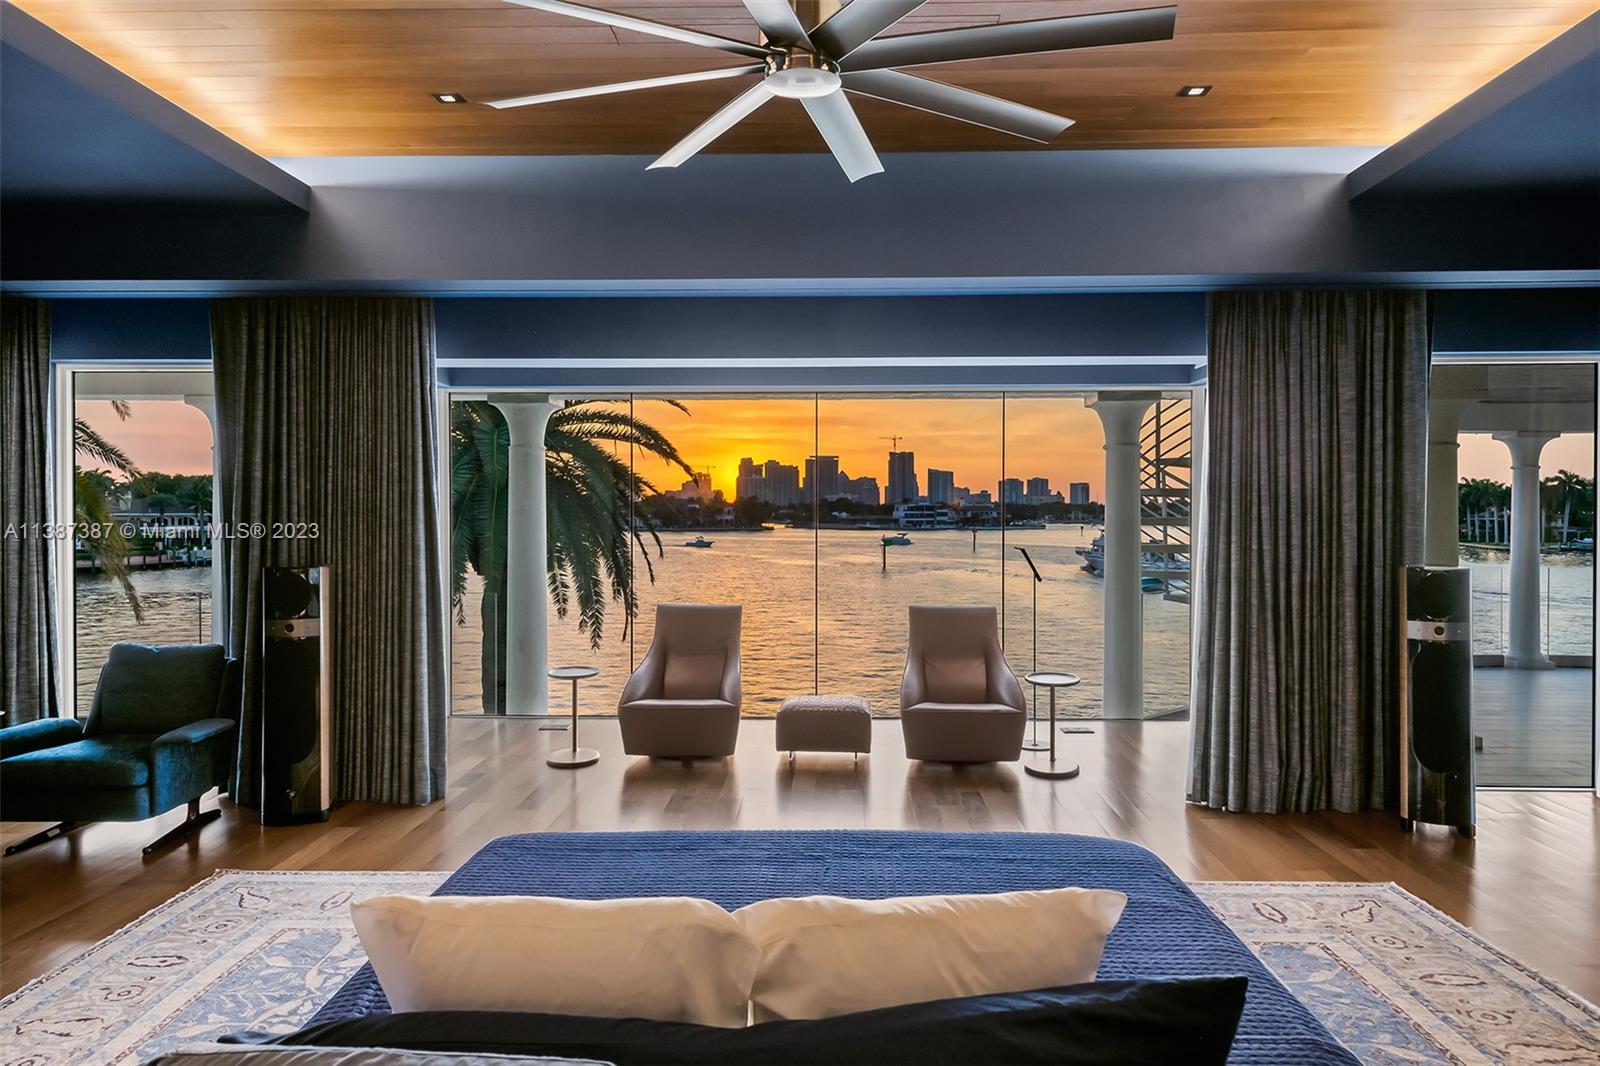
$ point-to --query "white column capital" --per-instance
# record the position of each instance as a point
(206, 404)
(1444, 418)
(526, 416)
(1122, 413)
(1525, 445)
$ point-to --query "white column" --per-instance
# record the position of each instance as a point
(527, 585)
(1523, 648)
(207, 405)
(1442, 519)
(1121, 415)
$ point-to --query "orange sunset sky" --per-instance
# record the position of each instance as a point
(1058, 437)
(1055, 437)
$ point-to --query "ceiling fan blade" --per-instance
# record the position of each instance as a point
(627, 86)
(1015, 38)
(962, 104)
(857, 23)
(837, 122)
(639, 25)
(779, 23)
(731, 114)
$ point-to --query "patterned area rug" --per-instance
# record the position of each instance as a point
(1394, 979)
(1399, 982)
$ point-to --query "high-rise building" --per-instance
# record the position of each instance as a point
(1078, 492)
(749, 485)
(776, 483)
(865, 490)
(1038, 487)
(822, 477)
(941, 486)
(1011, 490)
(697, 487)
(902, 477)
(782, 483)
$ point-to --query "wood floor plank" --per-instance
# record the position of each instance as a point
(1529, 883)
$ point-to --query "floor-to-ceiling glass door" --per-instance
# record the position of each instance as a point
(136, 461)
(1524, 451)
(824, 516)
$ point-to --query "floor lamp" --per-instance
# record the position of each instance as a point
(1033, 743)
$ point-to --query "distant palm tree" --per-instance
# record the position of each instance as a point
(590, 534)
(1562, 492)
(101, 535)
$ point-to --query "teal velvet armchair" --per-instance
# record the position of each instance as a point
(161, 732)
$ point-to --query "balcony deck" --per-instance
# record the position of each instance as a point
(1536, 725)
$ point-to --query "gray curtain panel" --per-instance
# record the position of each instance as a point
(27, 611)
(325, 416)
(1317, 426)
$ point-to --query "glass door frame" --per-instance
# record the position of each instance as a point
(445, 393)
(1553, 359)
(63, 469)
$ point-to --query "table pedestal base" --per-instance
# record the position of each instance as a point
(1055, 771)
(572, 758)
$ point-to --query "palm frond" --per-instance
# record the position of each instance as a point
(88, 441)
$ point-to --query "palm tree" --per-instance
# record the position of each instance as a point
(100, 533)
(1561, 492)
(591, 523)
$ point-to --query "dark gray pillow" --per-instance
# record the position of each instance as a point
(1104, 1023)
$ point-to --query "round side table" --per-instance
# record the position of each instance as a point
(1052, 681)
(574, 757)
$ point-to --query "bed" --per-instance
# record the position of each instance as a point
(1166, 931)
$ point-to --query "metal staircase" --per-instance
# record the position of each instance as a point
(1166, 503)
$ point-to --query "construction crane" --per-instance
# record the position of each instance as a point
(894, 442)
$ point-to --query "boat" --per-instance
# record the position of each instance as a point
(1164, 567)
(895, 539)
(1150, 583)
(698, 542)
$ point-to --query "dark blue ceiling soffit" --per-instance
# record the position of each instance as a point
(76, 130)
(1021, 222)
(1535, 129)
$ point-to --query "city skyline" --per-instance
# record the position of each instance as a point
(1056, 438)
(175, 438)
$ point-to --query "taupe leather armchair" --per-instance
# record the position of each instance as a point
(683, 700)
(959, 701)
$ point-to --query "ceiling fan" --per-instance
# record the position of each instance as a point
(842, 49)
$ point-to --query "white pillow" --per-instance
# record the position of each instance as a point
(823, 955)
(670, 959)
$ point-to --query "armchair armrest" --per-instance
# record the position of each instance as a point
(188, 761)
(645, 682)
(36, 736)
(193, 732)
(1004, 687)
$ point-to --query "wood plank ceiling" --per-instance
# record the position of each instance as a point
(354, 77)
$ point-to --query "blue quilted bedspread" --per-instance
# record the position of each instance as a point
(1166, 931)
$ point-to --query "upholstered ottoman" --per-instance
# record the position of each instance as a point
(824, 723)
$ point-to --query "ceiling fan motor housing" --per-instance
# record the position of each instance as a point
(800, 75)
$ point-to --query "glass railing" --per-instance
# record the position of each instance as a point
(175, 605)
(1566, 602)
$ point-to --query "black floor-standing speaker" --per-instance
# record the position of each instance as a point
(1436, 768)
(295, 730)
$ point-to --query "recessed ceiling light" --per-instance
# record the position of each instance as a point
(1194, 90)
(450, 98)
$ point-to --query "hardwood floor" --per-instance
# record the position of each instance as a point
(1529, 883)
